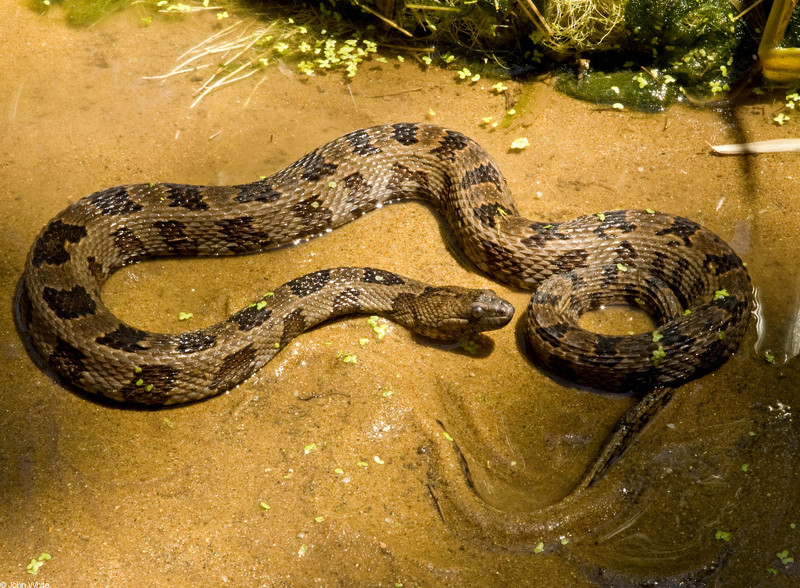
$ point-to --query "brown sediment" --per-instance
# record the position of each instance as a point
(173, 496)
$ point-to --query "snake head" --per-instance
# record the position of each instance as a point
(453, 312)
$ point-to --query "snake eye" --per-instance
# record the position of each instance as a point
(478, 311)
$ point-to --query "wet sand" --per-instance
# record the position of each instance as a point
(345, 455)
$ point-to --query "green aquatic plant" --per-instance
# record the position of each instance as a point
(673, 48)
(633, 53)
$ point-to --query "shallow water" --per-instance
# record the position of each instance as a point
(172, 496)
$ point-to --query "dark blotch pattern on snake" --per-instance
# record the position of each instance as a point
(688, 278)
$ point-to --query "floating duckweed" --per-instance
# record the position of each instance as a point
(137, 369)
(520, 143)
(564, 540)
(720, 294)
(347, 357)
(745, 467)
(722, 536)
(140, 382)
(309, 448)
(618, 106)
(400, 58)
(379, 329)
(447, 436)
(539, 547)
(622, 267)
(649, 211)
(657, 336)
(781, 118)
(511, 111)
(363, 464)
(658, 356)
(184, 316)
(268, 294)
(769, 357)
(302, 551)
(339, 471)
(784, 557)
(277, 345)
(33, 567)
(264, 505)
(469, 346)
(499, 87)
(387, 393)
(363, 341)
(687, 312)
(319, 519)
(431, 112)
(615, 89)
(546, 227)
(169, 423)
(601, 216)
(315, 204)
(260, 304)
(377, 460)
(148, 388)
(721, 335)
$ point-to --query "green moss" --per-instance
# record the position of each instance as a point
(674, 47)
(82, 12)
(621, 86)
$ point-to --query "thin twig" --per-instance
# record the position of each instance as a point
(539, 20)
(176, 72)
(252, 93)
(396, 93)
(748, 9)
(390, 22)
(214, 36)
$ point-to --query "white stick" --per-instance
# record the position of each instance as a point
(773, 146)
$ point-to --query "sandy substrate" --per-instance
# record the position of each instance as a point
(172, 497)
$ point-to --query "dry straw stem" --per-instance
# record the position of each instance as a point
(584, 24)
(232, 49)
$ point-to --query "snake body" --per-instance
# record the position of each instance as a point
(690, 280)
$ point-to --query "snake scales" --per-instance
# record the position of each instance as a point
(691, 281)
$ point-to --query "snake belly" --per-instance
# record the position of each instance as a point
(692, 282)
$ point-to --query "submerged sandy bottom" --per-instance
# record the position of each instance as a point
(344, 454)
